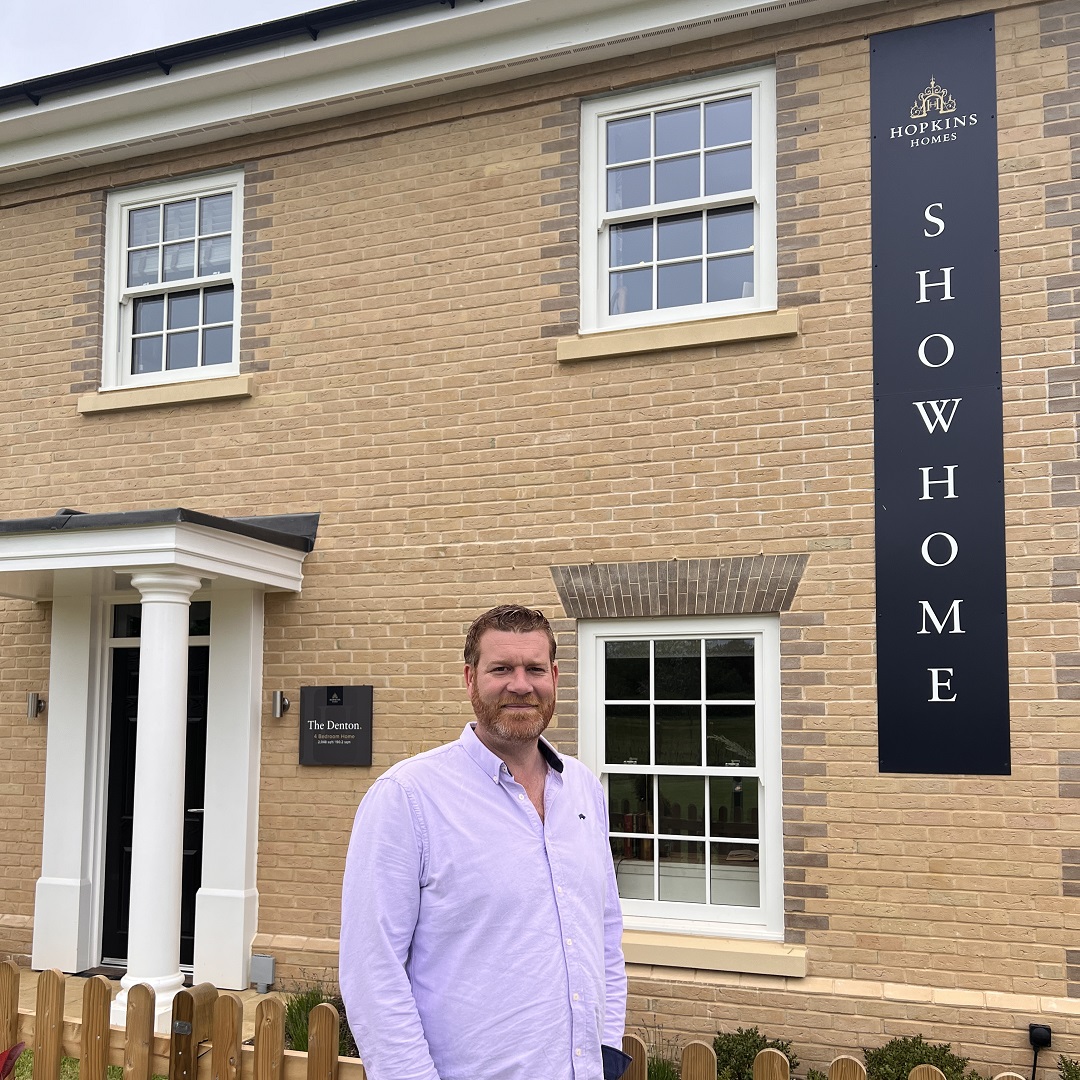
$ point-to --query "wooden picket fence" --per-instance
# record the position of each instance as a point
(699, 1063)
(205, 1043)
(206, 1040)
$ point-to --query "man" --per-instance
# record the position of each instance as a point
(480, 921)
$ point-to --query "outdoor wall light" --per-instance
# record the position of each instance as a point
(35, 706)
(279, 704)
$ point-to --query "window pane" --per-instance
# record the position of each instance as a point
(734, 807)
(145, 355)
(729, 170)
(678, 734)
(628, 140)
(678, 130)
(633, 867)
(731, 278)
(199, 619)
(218, 304)
(127, 620)
(183, 310)
(631, 243)
(626, 670)
(735, 874)
(628, 187)
(626, 729)
(142, 267)
(215, 214)
(144, 226)
(217, 345)
(149, 315)
(678, 179)
(630, 803)
(179, 260)
(631, 290)
(682, 871)
(729, 735)
(729, 121)
(729, 669)
(215, 255)
(678, 669)
(679, 237)
(730, 230)
(682, 805)
(678, 284)
(183, 350)
(180, 220)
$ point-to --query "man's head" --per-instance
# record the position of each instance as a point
(511, 674)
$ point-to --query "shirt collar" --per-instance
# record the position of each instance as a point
(491, 763)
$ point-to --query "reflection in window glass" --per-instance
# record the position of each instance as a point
(677, 284)
(182, 350)
(685, 823)
(729, 121)
(628, 735)
(678, 130)
(632, 243)
(678, 179)
(180, 220)
(631, 290)
(729, 735)
(731, 277)
(678, 734)
(628, 140)
(628, 187)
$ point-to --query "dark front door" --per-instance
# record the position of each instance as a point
(121, 793)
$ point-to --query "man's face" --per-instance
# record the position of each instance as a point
(512, 687)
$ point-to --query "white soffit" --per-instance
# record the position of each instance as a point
(435, 50)
(37, 566)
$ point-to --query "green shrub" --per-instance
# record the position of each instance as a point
(735, 1053)
(1068, 1068)
(299, 1004)
(815, 1074)
(898, 1057)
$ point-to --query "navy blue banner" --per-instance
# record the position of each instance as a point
(942, 642)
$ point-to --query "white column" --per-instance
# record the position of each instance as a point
(62, 903)
(157, 840)
(227, 904)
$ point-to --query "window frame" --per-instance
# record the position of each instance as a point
(760, 83)
(120, 298)
(765, 922)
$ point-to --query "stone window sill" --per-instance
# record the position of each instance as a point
(144, 397)
(609, 343)
(714, 954)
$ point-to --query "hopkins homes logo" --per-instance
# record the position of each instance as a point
(934, 118)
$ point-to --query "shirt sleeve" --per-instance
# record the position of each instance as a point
(380, 903)
(614, 964)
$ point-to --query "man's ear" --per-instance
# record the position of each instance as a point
(470, 675)
(555, 673)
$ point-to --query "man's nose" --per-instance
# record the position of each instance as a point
(519, 683)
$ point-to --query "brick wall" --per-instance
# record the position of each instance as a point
(407, 275)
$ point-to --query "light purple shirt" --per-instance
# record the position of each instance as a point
(477, 941)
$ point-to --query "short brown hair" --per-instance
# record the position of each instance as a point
(513, 618)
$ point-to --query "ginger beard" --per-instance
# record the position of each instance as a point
(509, 723)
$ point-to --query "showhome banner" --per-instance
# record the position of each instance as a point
(942, 645)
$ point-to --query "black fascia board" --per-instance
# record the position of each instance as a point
(163, 60)
(295, 531)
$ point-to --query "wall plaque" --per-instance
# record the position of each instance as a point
(335, 725)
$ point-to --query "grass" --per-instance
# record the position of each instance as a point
(69, 1069)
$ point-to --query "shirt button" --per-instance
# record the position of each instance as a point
(578, 1051)
(521, 797)
(577, 997)
(569, 941)
(558, 889)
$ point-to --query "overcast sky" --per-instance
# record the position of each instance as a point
(42, 37)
